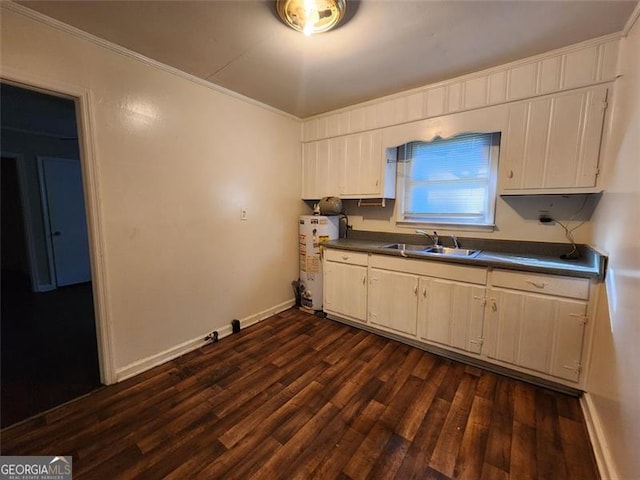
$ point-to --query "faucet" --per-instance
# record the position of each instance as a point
(454, 239)
(435, 239)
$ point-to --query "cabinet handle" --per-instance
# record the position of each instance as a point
(510, 174)
(345, 257)
(364, 279)
(424, 292)
(537, 285)
(494, 305)
(415, 290)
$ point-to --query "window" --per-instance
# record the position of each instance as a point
(449, 181)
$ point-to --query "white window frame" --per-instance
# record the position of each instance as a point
(487, 222)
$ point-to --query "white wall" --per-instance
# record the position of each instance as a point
(175, 163)
(614, 373)
(516, 219)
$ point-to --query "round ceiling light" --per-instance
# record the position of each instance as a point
(311, 16)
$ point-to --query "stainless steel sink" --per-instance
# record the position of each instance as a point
(458, 252)
(407, 247)
(436, 250)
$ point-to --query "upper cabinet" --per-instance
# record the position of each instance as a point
(552, 143)
(550, 109)
(589, 63)
(350, 166)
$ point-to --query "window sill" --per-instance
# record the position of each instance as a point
(462, 227)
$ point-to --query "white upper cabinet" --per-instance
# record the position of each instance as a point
(350, 166)
(590, 63)
(555, 104)
(370, 171)
(552, 143)
(321, 173)
(310, 170)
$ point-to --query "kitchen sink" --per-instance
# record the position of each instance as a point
(407, 247)
(436, 250)
(458, 252)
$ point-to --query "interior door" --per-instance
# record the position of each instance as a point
(63, 205)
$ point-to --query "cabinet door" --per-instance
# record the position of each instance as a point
(371, 163)
(345, 290)
(309, 170)
(323, 180)
(554, 142)
(566, 359)
(352, 157)
(393, 301)
(364, 161)
(320, 173)
(336, 174)
(537, 332)
(451, 313)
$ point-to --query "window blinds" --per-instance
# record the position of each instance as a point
(449, 180)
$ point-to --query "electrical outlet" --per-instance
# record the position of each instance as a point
(243, 214)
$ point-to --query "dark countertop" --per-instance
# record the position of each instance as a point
(512, 255)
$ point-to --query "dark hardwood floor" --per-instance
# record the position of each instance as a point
(298, 396)
(49, 352)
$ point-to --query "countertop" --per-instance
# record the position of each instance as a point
(512, 255)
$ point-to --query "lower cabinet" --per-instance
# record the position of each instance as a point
(533, 323)
(393, 301)
(345, 285)
(537, 332)
(451, 313)
(439, 308)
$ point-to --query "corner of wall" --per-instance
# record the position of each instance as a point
(604, 460)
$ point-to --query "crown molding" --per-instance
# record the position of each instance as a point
(633, 18)
(100, 42)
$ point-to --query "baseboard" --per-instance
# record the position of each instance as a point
(258, 317)
(147, 363)
(606, 466)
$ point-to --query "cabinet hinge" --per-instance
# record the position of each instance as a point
(597, 171)
(575, 368)
(483, 300)
(582, 319)
(479, 341)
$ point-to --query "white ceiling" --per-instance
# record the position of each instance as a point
(386, 46)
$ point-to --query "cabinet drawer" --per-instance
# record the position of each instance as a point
(548, 284)
(346, 256)
(436, 269)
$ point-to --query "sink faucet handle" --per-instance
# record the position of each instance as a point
(433, 239)
(436, 238)
(454, 239)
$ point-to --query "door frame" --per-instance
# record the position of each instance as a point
(84, 102)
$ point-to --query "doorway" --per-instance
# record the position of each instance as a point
(49, 349)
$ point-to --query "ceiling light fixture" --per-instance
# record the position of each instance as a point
(311, 16)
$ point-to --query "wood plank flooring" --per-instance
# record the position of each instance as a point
(299, 397)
